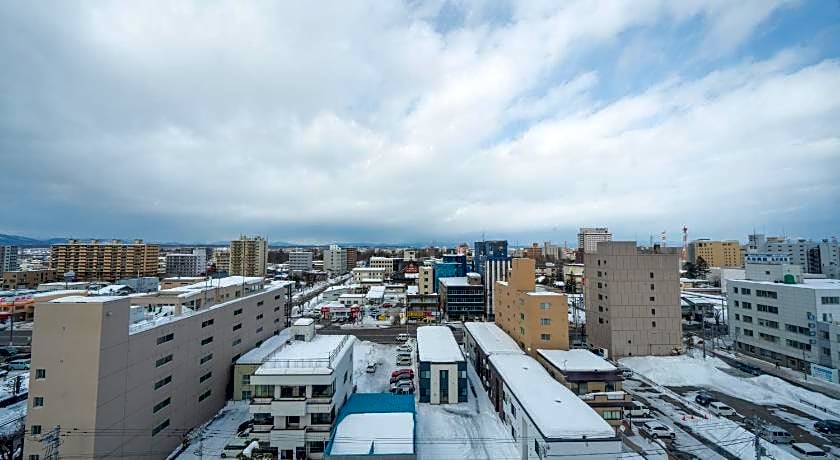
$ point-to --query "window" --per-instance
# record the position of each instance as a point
(166, 338)
(767, 308)
(160, 427)
(277, 308)
(545, 321)
(237, 312)
(797, 329)
(522, 316)
(651, 286)
(748, 332)
(164, 360)
(736, 289)
(746, 305)
(204, 396)
(206, 358)
(651, 275)
(208, 322)
(164, 381)
(768, 294)
(260, 303)
(737, 317)
(259, 317)
(206, 340)
(40, 373)
(425, 374)
(236, 342)
(737, 303)
(521, 330)
(612, 415)
(768, 323)
(35, 430)
(653, 299)
(653, 312)
(204, 377)
(545, 337)
(746, 319)
(237, 327)
(161, 405)
(513, 410)
(831, 300)
(653, 324)
(746, 291)
(259, 329)
(38, 401)
(545, 306)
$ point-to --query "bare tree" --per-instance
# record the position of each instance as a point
(11, 440)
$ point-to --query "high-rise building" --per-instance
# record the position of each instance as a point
(9, 259)
(426, 280)
(724, 254)
(130, 374)
(534, 319)
(96, 261)
(633, 299)
(534, 252)
(178, 264)
(492, 262)
(552, 250)
(335, 260)
(221, 258)
(588, 238)
(300, 260)
(813, 256)
(248, 256)
(352, 258)
(451, 266)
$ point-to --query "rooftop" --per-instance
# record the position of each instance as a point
(304, 321)
(374, 434)
(491, 338)
(316, 356)
(577, 360)
(88, 299)
(436, 344)
(258, 355)
(543, 398)
(807, 283)
(456, 281)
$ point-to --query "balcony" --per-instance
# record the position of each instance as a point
(262, 428)
(289, 406)
(319, 406)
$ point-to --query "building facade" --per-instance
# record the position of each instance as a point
(492, 262)
(9, 259)
(426, 280)
(723, 254)
(300, 260)
(632, 299)
(462, 297)
(450, 266)
(183, 264)
(352, 258)
(534, 319)
(442, 376)
(248, 256)
(335, 260)
(589, 237)
(96, 261)
(130, 380)
(29, 279)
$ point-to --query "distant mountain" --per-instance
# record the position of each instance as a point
(17, 240)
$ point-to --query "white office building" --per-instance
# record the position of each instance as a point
(369, 274)
(589, 237)
(300, 260)
(335, 260)
(299, 389)
(9, 259)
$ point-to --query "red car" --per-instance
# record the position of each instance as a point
(401, 372)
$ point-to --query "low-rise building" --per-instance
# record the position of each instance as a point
(482, 340)
(299, 389)
(374, 426)
(462, 297)
(441, 365)
(385, 263)
(300, 260)
(421, 307)
(594, 379)
(27, 279)
(368, 274)
(545, 418)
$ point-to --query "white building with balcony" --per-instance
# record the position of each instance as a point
(299, 389)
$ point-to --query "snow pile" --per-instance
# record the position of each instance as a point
(764, 389)
(377, 433)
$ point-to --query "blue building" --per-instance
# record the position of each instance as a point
(374, 425)
(492, 262)
(452, 266)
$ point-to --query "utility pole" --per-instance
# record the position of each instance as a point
(759, 450)
(50, 441)
(703, 321)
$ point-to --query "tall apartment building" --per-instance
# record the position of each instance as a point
(335, 260)
(248, 256)
(724, 254)
(780, 316)
(589, 237)
(97, 261)
(352, 258)
(186, 264)
(127, 381)
(300, 260)
(534, 252)
(492, 262)
(221, 258)
(298, 390)
(9, 259)
(426, 280)
(633, 299)
(534, 319)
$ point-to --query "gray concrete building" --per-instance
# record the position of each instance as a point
(9, 259)
(633, 299)
(300, 260)
(813, 256)
(589, 237)
(128, 380)
(335, 260)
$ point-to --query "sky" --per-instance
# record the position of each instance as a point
(419, 121)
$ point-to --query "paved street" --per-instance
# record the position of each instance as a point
(384, 335)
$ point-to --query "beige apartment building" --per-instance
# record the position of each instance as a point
(426, 280)
(98, 261)
(248, 256)
(724, 254)
(533, 319)
(221, 257)
(633, 299)
(128, 381)
(27, 279)
(385, 263)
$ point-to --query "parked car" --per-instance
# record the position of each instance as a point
(399, 372)
(828, 426)
(656, 430)
(403, 360)
(637, 410)
(749, 369)
(19, 364)
(807, 450)
(721, 409)
(404, 349)
(704, 399)
(405, 387)
(371, 368)
(626, 372)
(403, 337)
(775, 434)
(402, 378)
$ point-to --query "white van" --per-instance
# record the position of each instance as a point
(19, 364)
(806, 450)
(403, 337)
(776, 435)
(721, 409)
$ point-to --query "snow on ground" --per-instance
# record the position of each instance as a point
(765, 389)
(652, 449)
(217, 433)
(384, 356)
(12, 416)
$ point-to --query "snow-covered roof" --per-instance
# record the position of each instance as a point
(374, 433)
(454, 281)
(436, 344)
(87, 299)
(807, 283)
(412, 290)
(544, 293)
(576, 360)
(554, 409)
(304, 321)
(491, 338)
(259, 354)
(316, 356)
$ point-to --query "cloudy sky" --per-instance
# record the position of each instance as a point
(418, 120)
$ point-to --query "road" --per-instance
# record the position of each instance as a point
(384, 335)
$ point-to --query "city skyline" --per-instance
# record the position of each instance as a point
(420, 122)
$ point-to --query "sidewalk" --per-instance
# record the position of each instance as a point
(784, 373)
